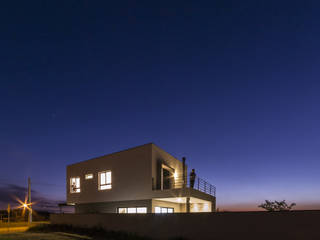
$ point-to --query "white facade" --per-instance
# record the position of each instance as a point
(137, 180)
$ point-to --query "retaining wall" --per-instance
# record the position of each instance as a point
(236, 225)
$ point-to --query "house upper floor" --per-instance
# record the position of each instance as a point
(137, 173)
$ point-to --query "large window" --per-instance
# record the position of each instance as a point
(163, 210)
(133, 210)
(75, 185)
(104, 180)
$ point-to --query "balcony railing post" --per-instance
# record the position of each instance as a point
(184, 181)
(205, 186)
(198, 184)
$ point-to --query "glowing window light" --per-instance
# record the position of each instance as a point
(206, 207)
(89, 176)
(195, 207)
(105, 180)
(75, 185)
(132, 210)
(157, 209)
(122, 210)
(141, 210)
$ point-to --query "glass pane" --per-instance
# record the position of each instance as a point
(141, 210)
(122, 210)
(132, 210)
(89, 176)
(102, 178)
(108, 181)
(157, 209)
(78, 182)
(164, 210)
(104, 187)
(170, 210)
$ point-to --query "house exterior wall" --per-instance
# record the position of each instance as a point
(289, 225)
(131, 176)
(158, 157)
(157, 203)
(136, 177)
(112, 207)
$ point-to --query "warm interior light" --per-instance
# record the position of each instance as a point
(195, 206)
(179, 200)
(175, 175)
(206, 207)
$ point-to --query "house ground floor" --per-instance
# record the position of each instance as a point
(155, 205)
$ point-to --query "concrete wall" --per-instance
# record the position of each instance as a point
(131, 176)
(135, 175)
(295, 225)
(111, 207)
(175, 206)
(160, 156)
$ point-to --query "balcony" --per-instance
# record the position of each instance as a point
(176, 182)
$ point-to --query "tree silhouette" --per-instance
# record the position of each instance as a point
(276, 206)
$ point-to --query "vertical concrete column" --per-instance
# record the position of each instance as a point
(213, 206)
(188, 204)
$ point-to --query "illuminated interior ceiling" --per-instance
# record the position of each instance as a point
(182, 200)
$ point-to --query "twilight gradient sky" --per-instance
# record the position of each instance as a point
(232, 85)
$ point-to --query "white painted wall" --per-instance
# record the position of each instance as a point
(131, 176)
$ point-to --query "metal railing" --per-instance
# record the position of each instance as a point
(198, 184)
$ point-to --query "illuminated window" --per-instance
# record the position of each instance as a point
(141, 210)
(133, 210)
(122, 210)
(170, 210)
(75, 185)
(105, 180)
(206, 207)
(89, 176)
(163, 210)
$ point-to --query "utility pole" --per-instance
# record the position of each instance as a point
(9, 210)
(29, 200)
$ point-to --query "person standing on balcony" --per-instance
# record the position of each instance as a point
(192, 178)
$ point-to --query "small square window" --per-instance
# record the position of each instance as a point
(89, 176)
(141, 210)
(132, 210)
(163, 210)
(122, 210)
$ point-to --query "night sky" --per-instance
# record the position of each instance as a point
(231, 85)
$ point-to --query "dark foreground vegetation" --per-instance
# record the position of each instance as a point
(90, 233)
(95, 233)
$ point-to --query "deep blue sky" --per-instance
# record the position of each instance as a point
(231, 85)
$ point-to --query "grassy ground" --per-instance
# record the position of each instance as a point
(40, 236)
(65, 232)
(20, 224)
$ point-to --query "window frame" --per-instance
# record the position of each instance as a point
(163, 210)
(88, 176)
(76, 187)
(136, 210)
(105, 186)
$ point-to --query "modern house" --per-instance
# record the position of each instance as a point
(143, 179)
